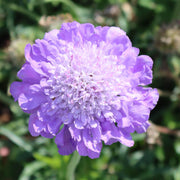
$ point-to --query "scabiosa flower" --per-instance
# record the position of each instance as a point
(84, 85)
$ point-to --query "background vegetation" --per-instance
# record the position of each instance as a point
(154, 27)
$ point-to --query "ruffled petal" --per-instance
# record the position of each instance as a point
(52, 35)
(143, 69)
(84, 151)
(35, 126)
(75, 133)
(28, 75)
(65, 143)
(16, 89)
(31, 98)
(112, 134)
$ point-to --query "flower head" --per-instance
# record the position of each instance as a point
(84, 85)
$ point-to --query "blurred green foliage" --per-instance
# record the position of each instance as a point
(154, 27)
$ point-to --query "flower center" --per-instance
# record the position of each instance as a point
(84, 88)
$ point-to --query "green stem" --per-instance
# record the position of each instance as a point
(70, 175)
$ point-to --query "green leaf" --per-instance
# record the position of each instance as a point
(6, 99)
(138, 137)
(15, 139)
(177, 146)
(22, 10)
(177, 173)
(151, 5)
(83, 14)
(30, 169)
(53, 162)
(175, 61)
(160, 153)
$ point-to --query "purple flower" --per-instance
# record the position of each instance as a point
(84, 85)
